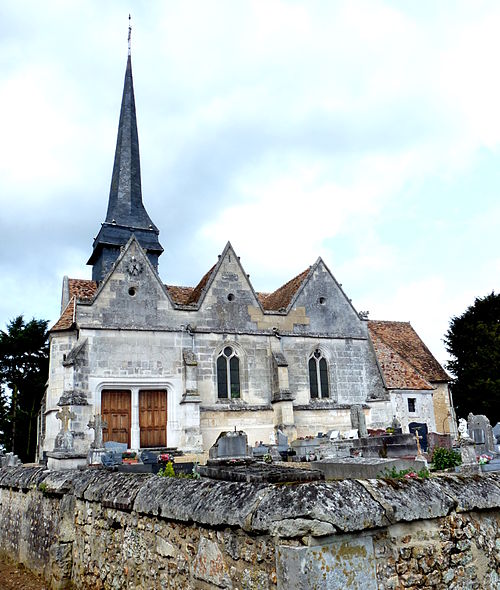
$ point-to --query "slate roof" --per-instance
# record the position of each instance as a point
(404, 342)
(281, 298)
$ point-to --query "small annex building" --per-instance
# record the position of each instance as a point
(174, 366)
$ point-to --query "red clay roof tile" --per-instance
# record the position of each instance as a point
(67, 319)
(180, 295)
(398, 374)
(403, 339)
(281, 298)
(82, 289)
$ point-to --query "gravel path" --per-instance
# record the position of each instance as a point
(17, 577)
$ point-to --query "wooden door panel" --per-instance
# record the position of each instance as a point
(153, 418)
(116, 410)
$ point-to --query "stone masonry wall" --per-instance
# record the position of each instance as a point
(97, 529)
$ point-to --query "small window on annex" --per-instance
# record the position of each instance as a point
(228, 374)
(318, 375)
(411, 404)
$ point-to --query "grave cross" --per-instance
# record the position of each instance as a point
(418, 438)
(97, 424)
(65, 415)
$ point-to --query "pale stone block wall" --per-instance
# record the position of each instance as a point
(424, 407)
(310, 422)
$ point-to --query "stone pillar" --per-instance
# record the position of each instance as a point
(135, 431)
(282, 397)
(358, 420)
(191, 404)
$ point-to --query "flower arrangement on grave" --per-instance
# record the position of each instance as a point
(129, 457)
(165, 458)
(484, 459)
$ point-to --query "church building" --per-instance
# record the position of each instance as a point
(174, 366)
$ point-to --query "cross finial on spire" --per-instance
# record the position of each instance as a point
(129, 33)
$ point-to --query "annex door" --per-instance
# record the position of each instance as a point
(115, 409)
(153, 418)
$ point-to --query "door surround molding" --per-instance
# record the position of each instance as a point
(134, 386)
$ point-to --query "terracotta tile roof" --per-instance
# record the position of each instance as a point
(398, 373)
(189, 295)
(262, 297)
(67, 319)
(196, 293)
(82, 289)
(180, 295)
(403, 339)
(280, 299)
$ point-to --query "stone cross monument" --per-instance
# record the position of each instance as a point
(64, 439)
(97, 425)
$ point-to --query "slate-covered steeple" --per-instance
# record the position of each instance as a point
(126, 213)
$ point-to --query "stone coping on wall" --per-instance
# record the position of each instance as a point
(286, 510)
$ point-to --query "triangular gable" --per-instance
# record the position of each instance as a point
(228, 260)
(325, 303)
(145, 264)
(320, 265)
(132, 294)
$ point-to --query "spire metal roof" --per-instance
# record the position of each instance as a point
(126, 213)
(125, 205)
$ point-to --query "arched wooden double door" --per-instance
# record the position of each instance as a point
(116, 410)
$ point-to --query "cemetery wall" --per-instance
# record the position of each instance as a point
(98, 529)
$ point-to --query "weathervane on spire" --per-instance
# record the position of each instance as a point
(129, 33)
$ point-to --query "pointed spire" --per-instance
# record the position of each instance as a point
(126, 214)
(129, 35)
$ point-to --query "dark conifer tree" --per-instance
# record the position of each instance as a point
(473, 340)
(24, 353)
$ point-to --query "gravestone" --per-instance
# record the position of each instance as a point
(97, 425)
(422, 432)
(113, 453)
(64, 455)
(9, 460)
(230, 445)
(481, 432)
(469, 459)
(396, 426)
(96, 450)
(358, 420)
(64, 438)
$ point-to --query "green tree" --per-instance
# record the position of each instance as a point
(24, 354)
(473, 341)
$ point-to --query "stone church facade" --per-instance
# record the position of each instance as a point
(171, 366)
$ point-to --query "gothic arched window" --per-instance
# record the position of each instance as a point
(318, 375)
(228, 374)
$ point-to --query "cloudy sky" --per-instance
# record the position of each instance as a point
(364, 132)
